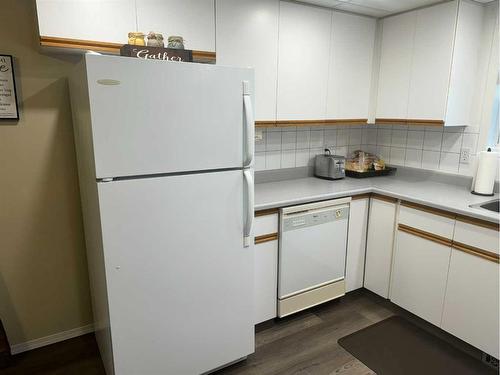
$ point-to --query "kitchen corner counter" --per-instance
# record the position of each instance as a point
(420, 189)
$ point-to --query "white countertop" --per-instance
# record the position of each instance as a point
(445, 196)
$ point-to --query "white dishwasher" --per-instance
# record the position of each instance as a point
(312, 254)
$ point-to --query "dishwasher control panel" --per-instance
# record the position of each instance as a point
(307, 219)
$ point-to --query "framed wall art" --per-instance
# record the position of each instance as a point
(9, 109)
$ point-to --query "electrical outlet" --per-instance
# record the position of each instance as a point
(258, 135)
(465, 156)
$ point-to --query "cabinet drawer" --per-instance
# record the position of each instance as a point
(482, 236)
(427, 219)
(265, 224)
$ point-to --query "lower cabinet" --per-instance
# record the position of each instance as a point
(471, 303)
(379, 245)
(265, 265)
(356, 243)
(419, 275)
(266, 280)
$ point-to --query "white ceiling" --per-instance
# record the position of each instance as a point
(376, 8)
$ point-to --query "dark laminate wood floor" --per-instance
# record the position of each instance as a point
(305, 343)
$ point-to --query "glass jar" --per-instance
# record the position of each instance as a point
(136, 38)
(176, 42)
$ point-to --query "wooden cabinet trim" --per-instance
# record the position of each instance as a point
(478, 222)
(114, 48)
(488, 255)
(411, 122)
(385, 198)
(426, 235)
(266, 238)
(269, 211)
(308, 123)
(428, 209)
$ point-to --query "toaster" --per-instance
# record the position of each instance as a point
(328, 166)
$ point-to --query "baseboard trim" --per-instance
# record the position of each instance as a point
(51, 339)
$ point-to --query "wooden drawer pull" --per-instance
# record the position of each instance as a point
(488, 255)
(426, 235)
(266, 238)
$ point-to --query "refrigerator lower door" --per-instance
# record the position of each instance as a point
(180, 282)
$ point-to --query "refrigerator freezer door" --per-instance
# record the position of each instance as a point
(151, 117)
(180, 282)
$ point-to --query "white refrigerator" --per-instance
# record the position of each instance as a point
(165, 153)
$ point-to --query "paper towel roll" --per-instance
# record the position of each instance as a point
(484, 182)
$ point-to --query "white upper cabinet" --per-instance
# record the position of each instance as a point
(351, 56)
(304, 51)
(432, 54)
(247, 35)
(104, 21)
(428, 63)
(194, 20)
(395, 65)
(465, 63)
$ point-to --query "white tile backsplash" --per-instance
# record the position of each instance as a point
(273, 159)
(371, 137)
(415, 139)
(303, 137)
(384, 152)
(470, 141)
(430, 159)
(330, 137)
(316, 138)
(273, 141)
(452, 142)
(449, 162)
(354, 137)
(342, 151)
(413, 158)
(397, 156)
(288, 140)
(399, 138)
(288, 158)
(419, 147)
(343, 137)
(384, 137)
(432, 140)
(302, 158)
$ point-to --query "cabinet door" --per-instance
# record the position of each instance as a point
(431, 62)
(379, 245)
(304, 45)
(471, 304)
(395, 66)
(351, 55)
(419, 276)
(356, 243)
(103, 21)
(194, 20)
(266, 280)
(247, 35)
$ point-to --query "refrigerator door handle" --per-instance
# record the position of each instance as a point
(247, 173)
(250, 124)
